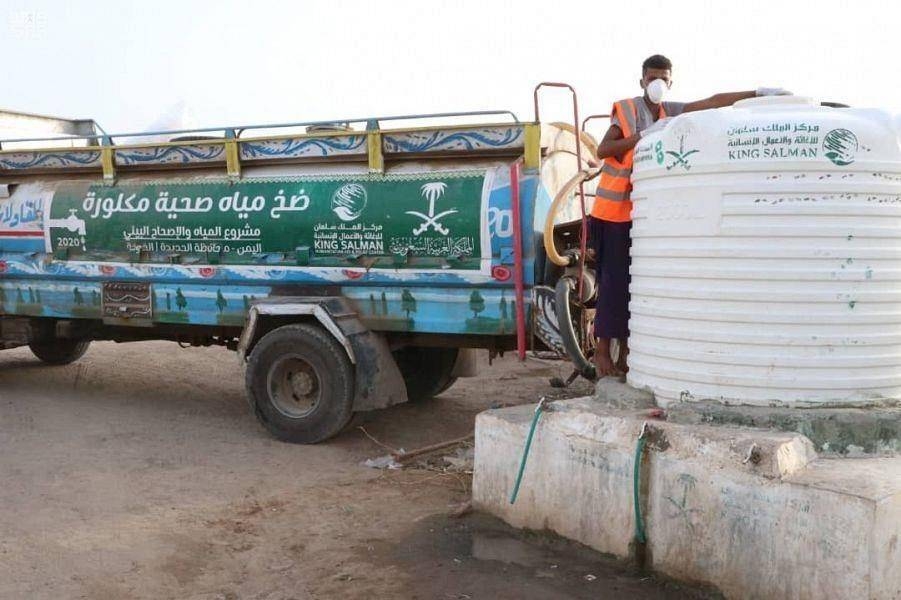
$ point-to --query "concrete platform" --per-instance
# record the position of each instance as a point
(755, 513)
(846, 431)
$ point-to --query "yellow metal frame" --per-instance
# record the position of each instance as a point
(532, 146)
(232, 158)
(215, 141)
(374, 151)
(108, 163)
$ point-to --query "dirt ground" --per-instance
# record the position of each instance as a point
(139, 472)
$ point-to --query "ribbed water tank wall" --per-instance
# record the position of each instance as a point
(766, 256)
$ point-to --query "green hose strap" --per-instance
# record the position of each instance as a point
(640, 534)
(525, 452)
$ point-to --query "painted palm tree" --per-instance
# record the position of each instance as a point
(476, 303)
(180, 301)
(221, 302)
(432, 191)
(407, 302)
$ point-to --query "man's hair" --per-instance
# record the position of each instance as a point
(658, 61)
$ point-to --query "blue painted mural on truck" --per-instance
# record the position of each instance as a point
(437, 298)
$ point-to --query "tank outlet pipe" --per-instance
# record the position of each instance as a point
(641, 535)
(542, 406)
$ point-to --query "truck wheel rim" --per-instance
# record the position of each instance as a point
(294, 386)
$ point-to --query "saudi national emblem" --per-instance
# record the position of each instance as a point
(432, 192)
(680, 158)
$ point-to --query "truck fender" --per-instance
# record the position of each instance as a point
(378, 380)
(290, 309)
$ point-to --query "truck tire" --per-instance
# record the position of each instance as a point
(59, 352)
(300, 383)
(426, 371)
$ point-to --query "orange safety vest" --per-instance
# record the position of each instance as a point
(612, 199)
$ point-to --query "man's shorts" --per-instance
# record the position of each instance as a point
(611, 242)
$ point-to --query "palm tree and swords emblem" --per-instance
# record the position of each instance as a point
(680, 158)
(432, 192)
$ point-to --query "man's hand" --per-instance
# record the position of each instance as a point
(658, 125)
(773, 91)
(718, 100)
(613, 143)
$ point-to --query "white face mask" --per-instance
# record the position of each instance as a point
(656, 90)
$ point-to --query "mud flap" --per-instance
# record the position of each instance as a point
(378, 380)
(467, 363)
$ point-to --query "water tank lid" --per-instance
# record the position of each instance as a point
(776, 102)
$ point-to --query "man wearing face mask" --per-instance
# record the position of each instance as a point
(611, 215)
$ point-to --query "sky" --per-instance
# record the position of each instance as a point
(127, 63)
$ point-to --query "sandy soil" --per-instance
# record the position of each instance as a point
(139, 472)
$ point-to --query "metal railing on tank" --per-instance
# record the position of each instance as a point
(235, 131)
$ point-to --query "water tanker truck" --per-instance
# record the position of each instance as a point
(351, 265)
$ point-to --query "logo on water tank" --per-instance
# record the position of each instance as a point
(683, 130)
(680, 158)
(348, 201)
(840, 146)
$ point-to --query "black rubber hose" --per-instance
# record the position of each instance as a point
(563, 291)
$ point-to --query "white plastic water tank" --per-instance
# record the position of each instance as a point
(766, 256)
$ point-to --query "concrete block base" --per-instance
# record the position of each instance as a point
(755, 513)
(845, 431)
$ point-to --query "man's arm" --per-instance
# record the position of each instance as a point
(718, 101)
(614, 144)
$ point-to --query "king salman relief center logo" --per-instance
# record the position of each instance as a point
(348, 201)
(840, 146)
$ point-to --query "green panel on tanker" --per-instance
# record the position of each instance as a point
(314, 220)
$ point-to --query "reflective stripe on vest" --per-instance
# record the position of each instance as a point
(611, 202)
(628, 117)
